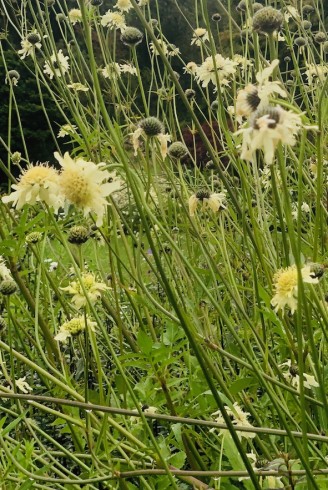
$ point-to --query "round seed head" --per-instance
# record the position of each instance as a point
(190, 93)
(177, 150)
(307, 9)
(320, 37)
(257, 6)
(216, 17)
(293, 370)
(306, 24)
(33, 237)
(267, 20)
(202, 194)
(300, 42)
(7, 287)
(131, 36)
(78, 235)
(152, 126)
(33, 38)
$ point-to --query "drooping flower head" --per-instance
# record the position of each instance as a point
(216, 201)
(37, 183)
(200, 35)
(86, 185)
(30, 44)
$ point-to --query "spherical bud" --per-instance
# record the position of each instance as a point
(190, 93)
(3, 324)
(290, 83)
(215, 105)
(33, 38)
(216, 17)
(300, 42)
(317, 270)
(320, 37)
(307, 9)
(325, 47)
(61, 17)
(33, 237)
(78, 235)
(293, 370)
(177, 150)
(306, 24)
(7, 287)
(152, 126)
(13, 75)
(153, 23)
(287, 59)
(131, 36)
(261, 463)
(50, 3)
(96, 3)
(267, 20)
(257, 6)
(177, 75)
(16, 157)
(241, 6)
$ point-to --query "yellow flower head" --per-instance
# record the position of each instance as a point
(285, 285)
(38, 183)
(92, 288)
(82, 184)
(74, 327)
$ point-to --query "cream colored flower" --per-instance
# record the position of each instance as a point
(253, 97)
(82, 184)
(28, 48)
(5, 273)
(74, 16)
(113, 20)
(200, 35)
(78, 87)
(269, 126)
(111, 71)
(66, 130)
(316, 73)
(92, 288)
(123, 5)
(292, 375)
(58, 65)
(22, 385)
(215, 201)
(216, 69)
(239, 419)
(162, 44)
(153, 128)
(143, 3)
(128, 68)
(38, 183)
(190, 68)
(74, 327)
(286, 286)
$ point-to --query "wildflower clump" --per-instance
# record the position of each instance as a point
(285, 283)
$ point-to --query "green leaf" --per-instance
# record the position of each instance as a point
(177, 460)
(144, 342)
(241, 384)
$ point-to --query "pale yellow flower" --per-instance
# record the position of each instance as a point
(66, 130)
(58, 65)
(293, 377)
(239, 419)
(5, 273)
(217, 69)
(200, 35)
(23, 386)
(123, 5)
(74, 327)
(38, 183)
(74, 16)
(28, 49)
(190, 68)
(92, 288)
(82, 184)
(78, 87)
(215, 201)
(286, 286)
(113, 20)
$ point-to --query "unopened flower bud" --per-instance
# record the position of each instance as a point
(152, 126)
(131, 36)
(33, 38)
(33, 237)
(268, 20)
(7, 287)
(16, 157)
(78, 235)
(177, 150)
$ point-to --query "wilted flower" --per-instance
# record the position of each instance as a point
(215, 201)
(29, 45)
(286, 286)
(256, 96)
(128, 68)
(169, 50)
(78, 87)
(12, 76)
(200, 36)
(38, 183)
(22, 385)
(82, 184)
(151, 127)
(75, 15)
(320, 37)
(216, 69)
(191, 68)
(92, 288)
(74, 327)
(66, 130)
(33, 237)
(113, 20)
(58, 65)
(292, 375)
(269, 126)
